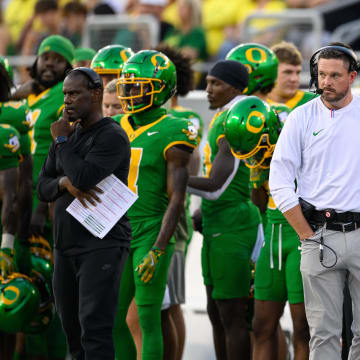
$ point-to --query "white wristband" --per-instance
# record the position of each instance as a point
(7, 241)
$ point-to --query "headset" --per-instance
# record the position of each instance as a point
(354, 63)
(94, 77)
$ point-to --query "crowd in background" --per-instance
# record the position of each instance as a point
(204, 30)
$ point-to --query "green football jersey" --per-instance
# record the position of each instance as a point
(14, 114)
(148, 166)
(195, 118)
(233, 210)
(43, 110)
(118, 117)
(300, 98)
(282, 111)
(260, 178)
(9, 147)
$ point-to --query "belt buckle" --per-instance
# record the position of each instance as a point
(345, 224)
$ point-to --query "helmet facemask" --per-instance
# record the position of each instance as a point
(259, 156)
(137, 94)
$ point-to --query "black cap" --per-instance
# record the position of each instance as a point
(232, 72)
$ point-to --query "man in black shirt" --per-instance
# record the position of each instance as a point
(87, 269)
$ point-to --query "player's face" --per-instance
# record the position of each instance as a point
(111, 104)
(50, 68)
(77, 97)
(334, 79)
(219, 92)
(288, 79)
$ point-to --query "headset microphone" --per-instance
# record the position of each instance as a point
(319, 91)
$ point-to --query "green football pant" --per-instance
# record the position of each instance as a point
(148, 298)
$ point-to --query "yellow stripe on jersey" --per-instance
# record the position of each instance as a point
(180, 142)
(214, 118)
(60, 110)
(133, 134)
(33, 99)
(290, 103)
(207, 159)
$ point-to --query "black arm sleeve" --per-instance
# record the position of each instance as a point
(104, 157)
(48, 181)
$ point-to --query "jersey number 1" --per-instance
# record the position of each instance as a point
(136, 155)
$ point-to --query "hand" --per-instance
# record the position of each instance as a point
(62, 127)
(197, 220)
(7, 262)
(147, 267)
(82, 196)
(307, 235)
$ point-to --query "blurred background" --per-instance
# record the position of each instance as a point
(204, 30)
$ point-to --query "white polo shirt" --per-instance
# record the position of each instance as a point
(320, 148)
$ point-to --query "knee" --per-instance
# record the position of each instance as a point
(264, 327)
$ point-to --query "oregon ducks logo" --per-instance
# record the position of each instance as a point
(9, 300)
(254, 129)
(252, 55)
(155, 61)
(123, 55)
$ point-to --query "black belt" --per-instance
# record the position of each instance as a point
(331, 216)
(343, 227)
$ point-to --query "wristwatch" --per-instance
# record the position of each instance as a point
(61, 139)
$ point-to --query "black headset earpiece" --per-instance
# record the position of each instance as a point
(92, 75)
(354, 63)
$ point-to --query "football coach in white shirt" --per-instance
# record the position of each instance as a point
(319, 147)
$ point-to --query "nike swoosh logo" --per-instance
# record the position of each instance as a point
(152, 133)
(318, 132)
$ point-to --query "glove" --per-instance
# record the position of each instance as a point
(23, 258)
(147, 267)
(7, 262)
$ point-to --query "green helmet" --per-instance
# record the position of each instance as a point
(44, 313)
(19, 301)
(41, 261)
(110, 59)
(148, 79)
(261, 63)
(42, 319)
(252, 129)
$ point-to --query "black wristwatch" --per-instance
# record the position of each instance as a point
(61, 139)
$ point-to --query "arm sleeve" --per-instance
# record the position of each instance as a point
(214, 195)
(106, 154)
(286, 163)
(48, 181)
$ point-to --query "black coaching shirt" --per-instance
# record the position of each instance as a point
(87, 157)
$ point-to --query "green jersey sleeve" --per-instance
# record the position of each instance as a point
(43, 110)
(14, 113)
(9, 147)
(189, 115)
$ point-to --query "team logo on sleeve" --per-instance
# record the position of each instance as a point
(14, 144)
(196, 122)
(191, 131)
